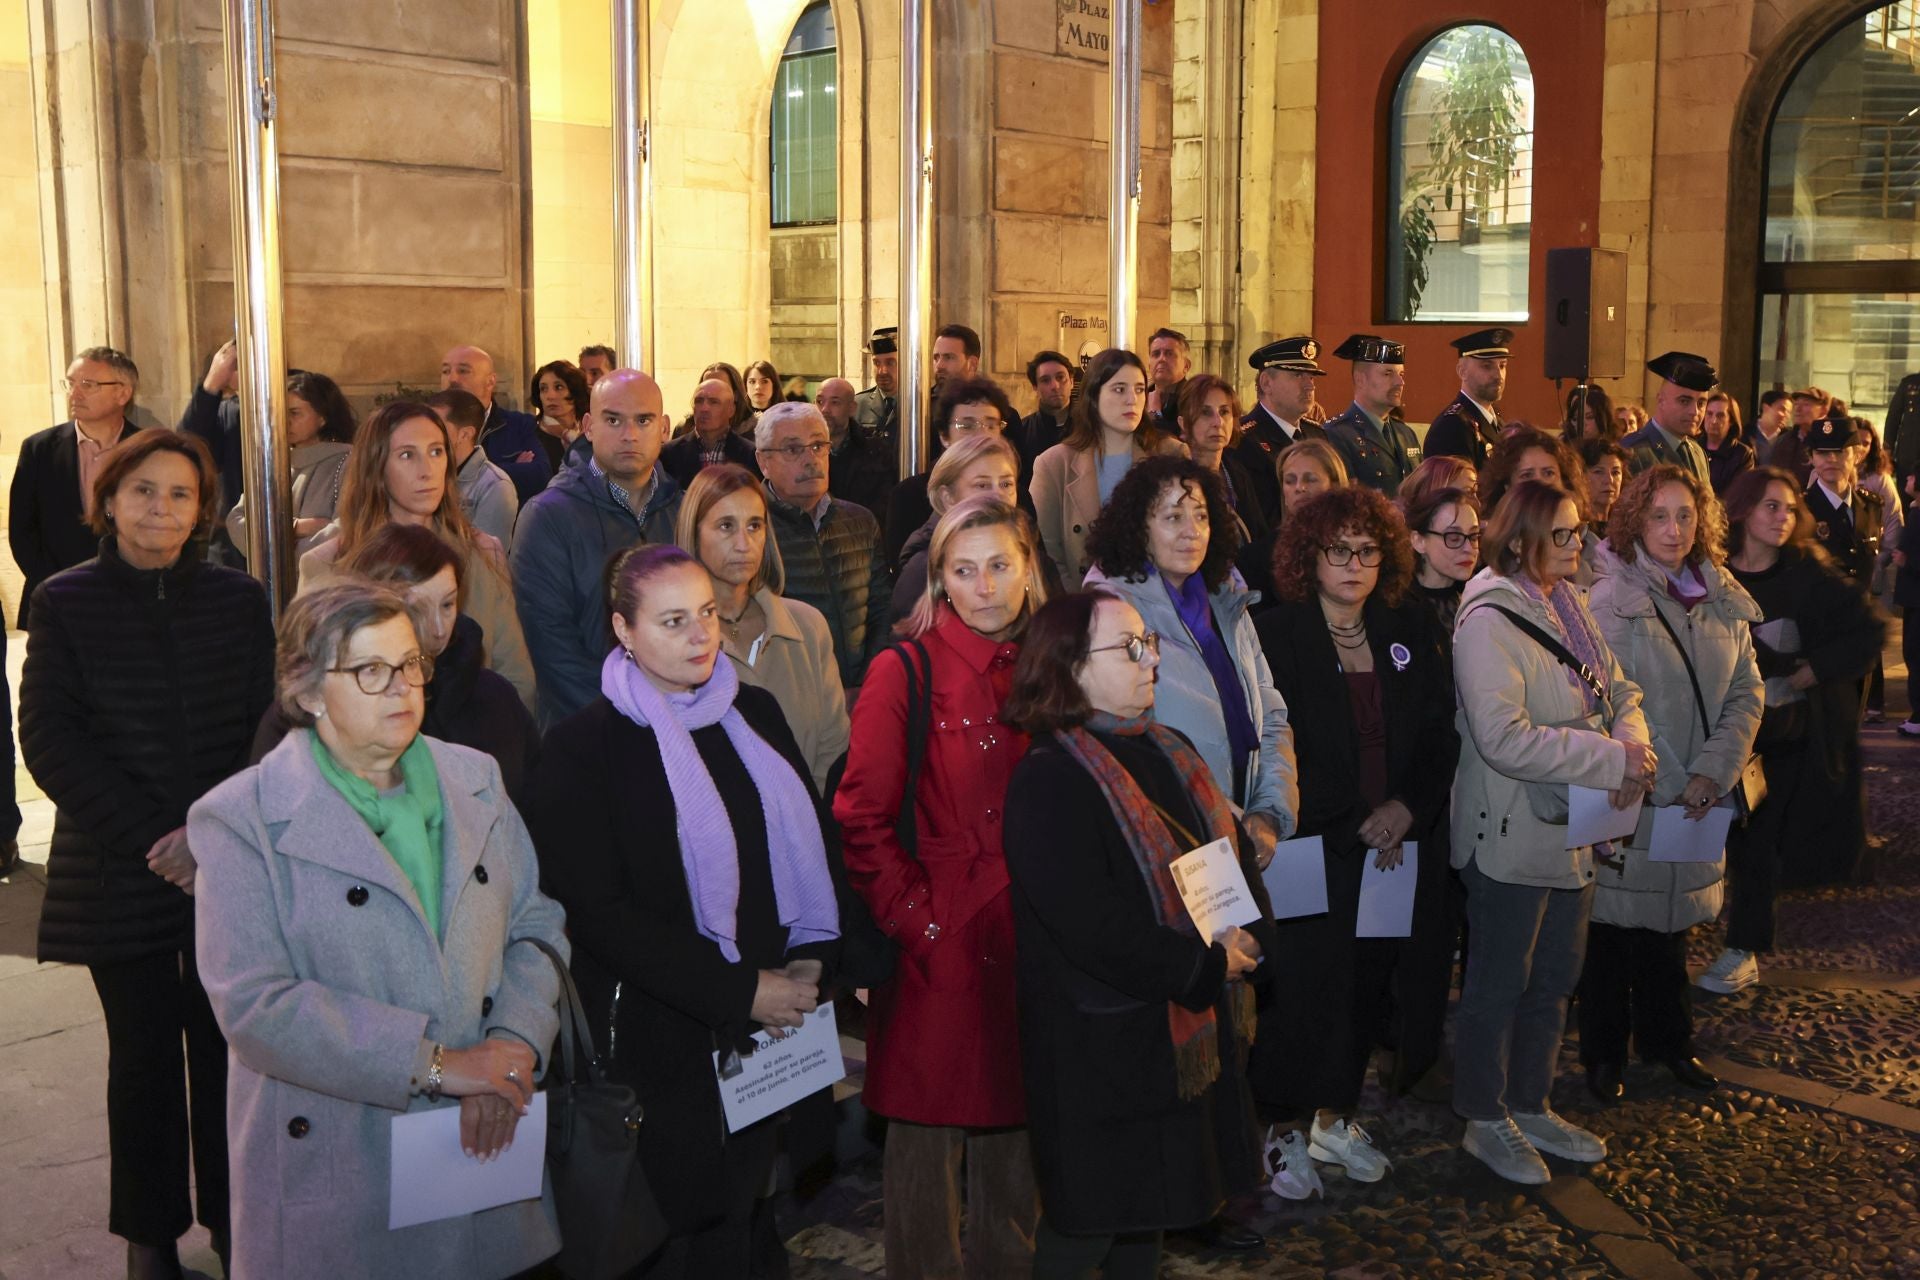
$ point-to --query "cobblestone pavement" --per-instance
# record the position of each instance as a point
(1803, 1164)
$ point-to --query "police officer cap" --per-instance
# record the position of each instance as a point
(1295, 355)
(1484, 344)
(1369, 348)
(1685, 369)
(1832, 433)
(885, 342)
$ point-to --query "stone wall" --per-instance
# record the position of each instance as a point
(570, 162)
(803, 333)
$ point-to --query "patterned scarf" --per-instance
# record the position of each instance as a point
(1577, 627)
(1196, 1036)
(709, 854)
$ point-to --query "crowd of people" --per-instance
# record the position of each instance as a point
(735, 723)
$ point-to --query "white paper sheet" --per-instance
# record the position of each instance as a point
(1592, 818)
(1214, 889)
(1678, 838)
(785, 1066)
(1296, 879)
(1386, 897)
(432, 1178)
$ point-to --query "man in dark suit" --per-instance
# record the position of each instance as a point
(53, 484)
(1284, 376)
(1470, 426)
(859, 470)
(1846, 517)
(1679, 407)
(1050, 374)
(1379, 449)
(511, 440)
(1168, 363)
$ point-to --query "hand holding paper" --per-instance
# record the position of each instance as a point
(1214, 888)
(1386, 895)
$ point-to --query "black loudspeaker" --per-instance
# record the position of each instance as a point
(1586, 313)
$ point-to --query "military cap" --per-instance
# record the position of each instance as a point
(1484, 344)
(1294, 355)
(1832, 433)
(1685, 369)
(885, 342)
(1370, 348)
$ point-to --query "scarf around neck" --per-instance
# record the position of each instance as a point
(709, 851)
(409, 824)
(1577, 627)
(1196, 1036)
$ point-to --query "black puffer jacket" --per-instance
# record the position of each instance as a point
(140, 693)
(838, 569)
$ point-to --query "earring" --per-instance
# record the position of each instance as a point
(629, 654)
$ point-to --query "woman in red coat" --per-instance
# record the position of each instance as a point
(943, 1049)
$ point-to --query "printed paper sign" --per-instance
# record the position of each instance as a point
(786, 1065)
(1214, 889)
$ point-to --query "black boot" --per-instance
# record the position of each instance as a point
(1687, 1070)
(1226, 1235)
(1603, 1082)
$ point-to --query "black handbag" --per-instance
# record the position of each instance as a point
(609, 1221)
(1750, 789)
(881, 959)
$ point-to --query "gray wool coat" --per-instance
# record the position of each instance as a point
(1633, 892)
(331, 990)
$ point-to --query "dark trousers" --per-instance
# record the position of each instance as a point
(922, 1174)
(726, 1247)
(1753, 853)
(1910, 650)
(1635, 985)
(166, 1106)
(1877, 682)
(1132, 1255)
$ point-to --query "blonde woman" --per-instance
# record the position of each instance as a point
(1304, 468)
(980, 464)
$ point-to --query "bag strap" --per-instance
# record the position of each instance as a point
(574, 1047)
(919, 726)
(1552, 645)
(1699, 699)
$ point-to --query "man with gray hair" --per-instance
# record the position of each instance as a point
(831, 547)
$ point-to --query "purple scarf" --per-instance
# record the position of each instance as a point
(802, 886)
(1577, 627)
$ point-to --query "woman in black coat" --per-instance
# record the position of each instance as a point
(146, 670)
(1133, 1028)
(1369, 695)
(619, 811)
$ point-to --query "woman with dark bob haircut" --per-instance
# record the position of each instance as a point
(1364, 678)
(1132, 1025)
(561, 402)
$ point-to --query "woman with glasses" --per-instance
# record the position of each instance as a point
(369, 912)
(1108, 431)
(146, 669)
(1133, 1027)
(1681, 627)
(1444, 529)
(943, 1046)
(1363, 675)
(1306, 469)
(1543, 706)
(401, 472)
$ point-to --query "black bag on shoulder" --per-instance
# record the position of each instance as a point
(1750, 789)
(918, 665)
(1548, 800)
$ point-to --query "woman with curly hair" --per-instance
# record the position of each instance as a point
(1681, 627)
(1362, 671)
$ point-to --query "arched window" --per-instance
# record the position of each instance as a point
(1460, 186)
(1840, 253)
(805, 151)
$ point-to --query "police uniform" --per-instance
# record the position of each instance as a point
(1262, 437)
(1850, 530)
(1650, 445)
(876, 415)
(1381, 456)
(1461, 430)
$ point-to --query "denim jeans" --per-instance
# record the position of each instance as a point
(1529, 944)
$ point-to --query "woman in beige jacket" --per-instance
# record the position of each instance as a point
(1107, 433)
(1531, 726)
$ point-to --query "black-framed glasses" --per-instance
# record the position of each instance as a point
(376, 677)
(1561, 537)
(1452, 537)
(796, 451)
(1137, 647)
(1340, 555)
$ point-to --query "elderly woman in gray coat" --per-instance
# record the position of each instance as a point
(368, 907)
(1682, 629)
(1532, 725)
(1165, 545)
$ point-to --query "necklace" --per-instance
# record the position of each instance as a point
(1361, 643)
(733, 624)
(1355, 629)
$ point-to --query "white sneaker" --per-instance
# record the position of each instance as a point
(1908, 728)
(1501, 1146)
(1347, 1145)
(1289, 1169)
(1733, 971)
(1557, 1136)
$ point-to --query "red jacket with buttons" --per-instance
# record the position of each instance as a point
(943, 1045)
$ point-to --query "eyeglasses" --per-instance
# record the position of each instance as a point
(1561, 537)
(992, 422)
(795, 452)
(89, 385)
(376, 677)
(1137, 647)
(1341, 555)
(1452, 537)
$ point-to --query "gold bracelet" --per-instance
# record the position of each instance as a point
(433, 1072)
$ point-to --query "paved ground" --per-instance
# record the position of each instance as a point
(1805, 1164)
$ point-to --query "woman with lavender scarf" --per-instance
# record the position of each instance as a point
(676, 818)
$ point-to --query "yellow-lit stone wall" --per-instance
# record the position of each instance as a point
(570, 161)
(26, 379)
